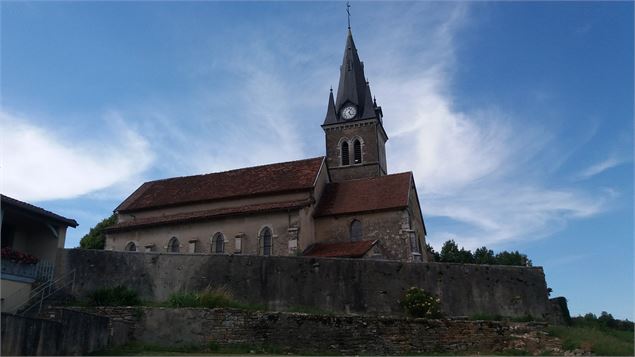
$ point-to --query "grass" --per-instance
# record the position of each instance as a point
(598, 340)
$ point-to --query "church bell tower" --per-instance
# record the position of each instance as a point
(355, 135)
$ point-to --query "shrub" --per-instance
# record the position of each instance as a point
(419, 303)
(218, 297)
(117, 296)
(184, 299)
(209, 298)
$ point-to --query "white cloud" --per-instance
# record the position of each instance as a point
(478, 168)
(39, 164)
(597, 168)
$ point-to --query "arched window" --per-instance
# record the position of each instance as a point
(356, 230)
(266, 237)
(357, 152)
(218, 243)
(173, 245)
(131, 247)
(345, 160)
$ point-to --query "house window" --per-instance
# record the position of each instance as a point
(357, 152)
(345, 159)
(131, 247)
(173, 245)
(266, 237)
(219, 243)
(356, 230)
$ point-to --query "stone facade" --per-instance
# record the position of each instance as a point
(372, 137)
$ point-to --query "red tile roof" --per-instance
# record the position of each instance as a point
(267, 179)
(341, 249)
(369, 194)
(8, 201)
(199, 216)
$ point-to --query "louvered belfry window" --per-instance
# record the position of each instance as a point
(345, 160)
(357, 152)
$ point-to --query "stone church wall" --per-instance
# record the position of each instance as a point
(245, 227)
(387, 226)
(346, 285)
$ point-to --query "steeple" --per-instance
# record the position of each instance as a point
(353, 127)
(353, 89)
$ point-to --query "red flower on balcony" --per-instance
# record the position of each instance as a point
(18, 257)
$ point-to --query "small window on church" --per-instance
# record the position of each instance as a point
(173, 245)
(131, 247)
(266, 236)
(345, 160)
(219, 243)
(356, 230)
(357, 152)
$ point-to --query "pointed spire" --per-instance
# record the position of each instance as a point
(352, 83)
(331, 117)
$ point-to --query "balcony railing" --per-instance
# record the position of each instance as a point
(42, 271)
(18, 271)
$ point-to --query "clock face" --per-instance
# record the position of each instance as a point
(349, 112)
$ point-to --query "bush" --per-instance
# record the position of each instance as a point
(419, 303)
(183, 299)
(117, 296)
(209, 298)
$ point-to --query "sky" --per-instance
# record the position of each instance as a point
(515, 117)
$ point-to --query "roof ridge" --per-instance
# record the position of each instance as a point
(234, 170)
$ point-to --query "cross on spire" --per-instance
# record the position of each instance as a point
(348, 6)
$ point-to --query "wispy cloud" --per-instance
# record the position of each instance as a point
(475, 167)
(599, 167)
(39, 164)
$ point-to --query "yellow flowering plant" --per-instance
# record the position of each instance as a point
(419, 303)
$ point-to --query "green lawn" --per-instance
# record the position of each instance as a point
(598, 340)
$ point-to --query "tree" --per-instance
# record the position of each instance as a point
(484, 256)
(96, 238)
(435, 255)
(512, 258)
(450, 252)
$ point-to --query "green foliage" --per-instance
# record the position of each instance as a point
(512, 258)
(599, 341)
(96, 238)
(484, 256)
(117, 296)
(419, 303)
(209, 298)
(450, 253)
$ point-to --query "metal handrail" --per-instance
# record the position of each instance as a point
(44, 291)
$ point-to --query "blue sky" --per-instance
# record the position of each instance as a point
(516, 118)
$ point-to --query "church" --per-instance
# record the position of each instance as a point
(342, 205)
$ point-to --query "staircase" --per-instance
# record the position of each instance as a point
(51, 292)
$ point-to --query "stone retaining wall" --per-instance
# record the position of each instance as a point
(341, 285)
(319, 334)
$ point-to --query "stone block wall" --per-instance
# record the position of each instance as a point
(344, 285)
(317, 334)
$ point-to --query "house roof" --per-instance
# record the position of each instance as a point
(368, 194)
(29, 208)
(340, 249)
(198, 216)
(259, 180)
